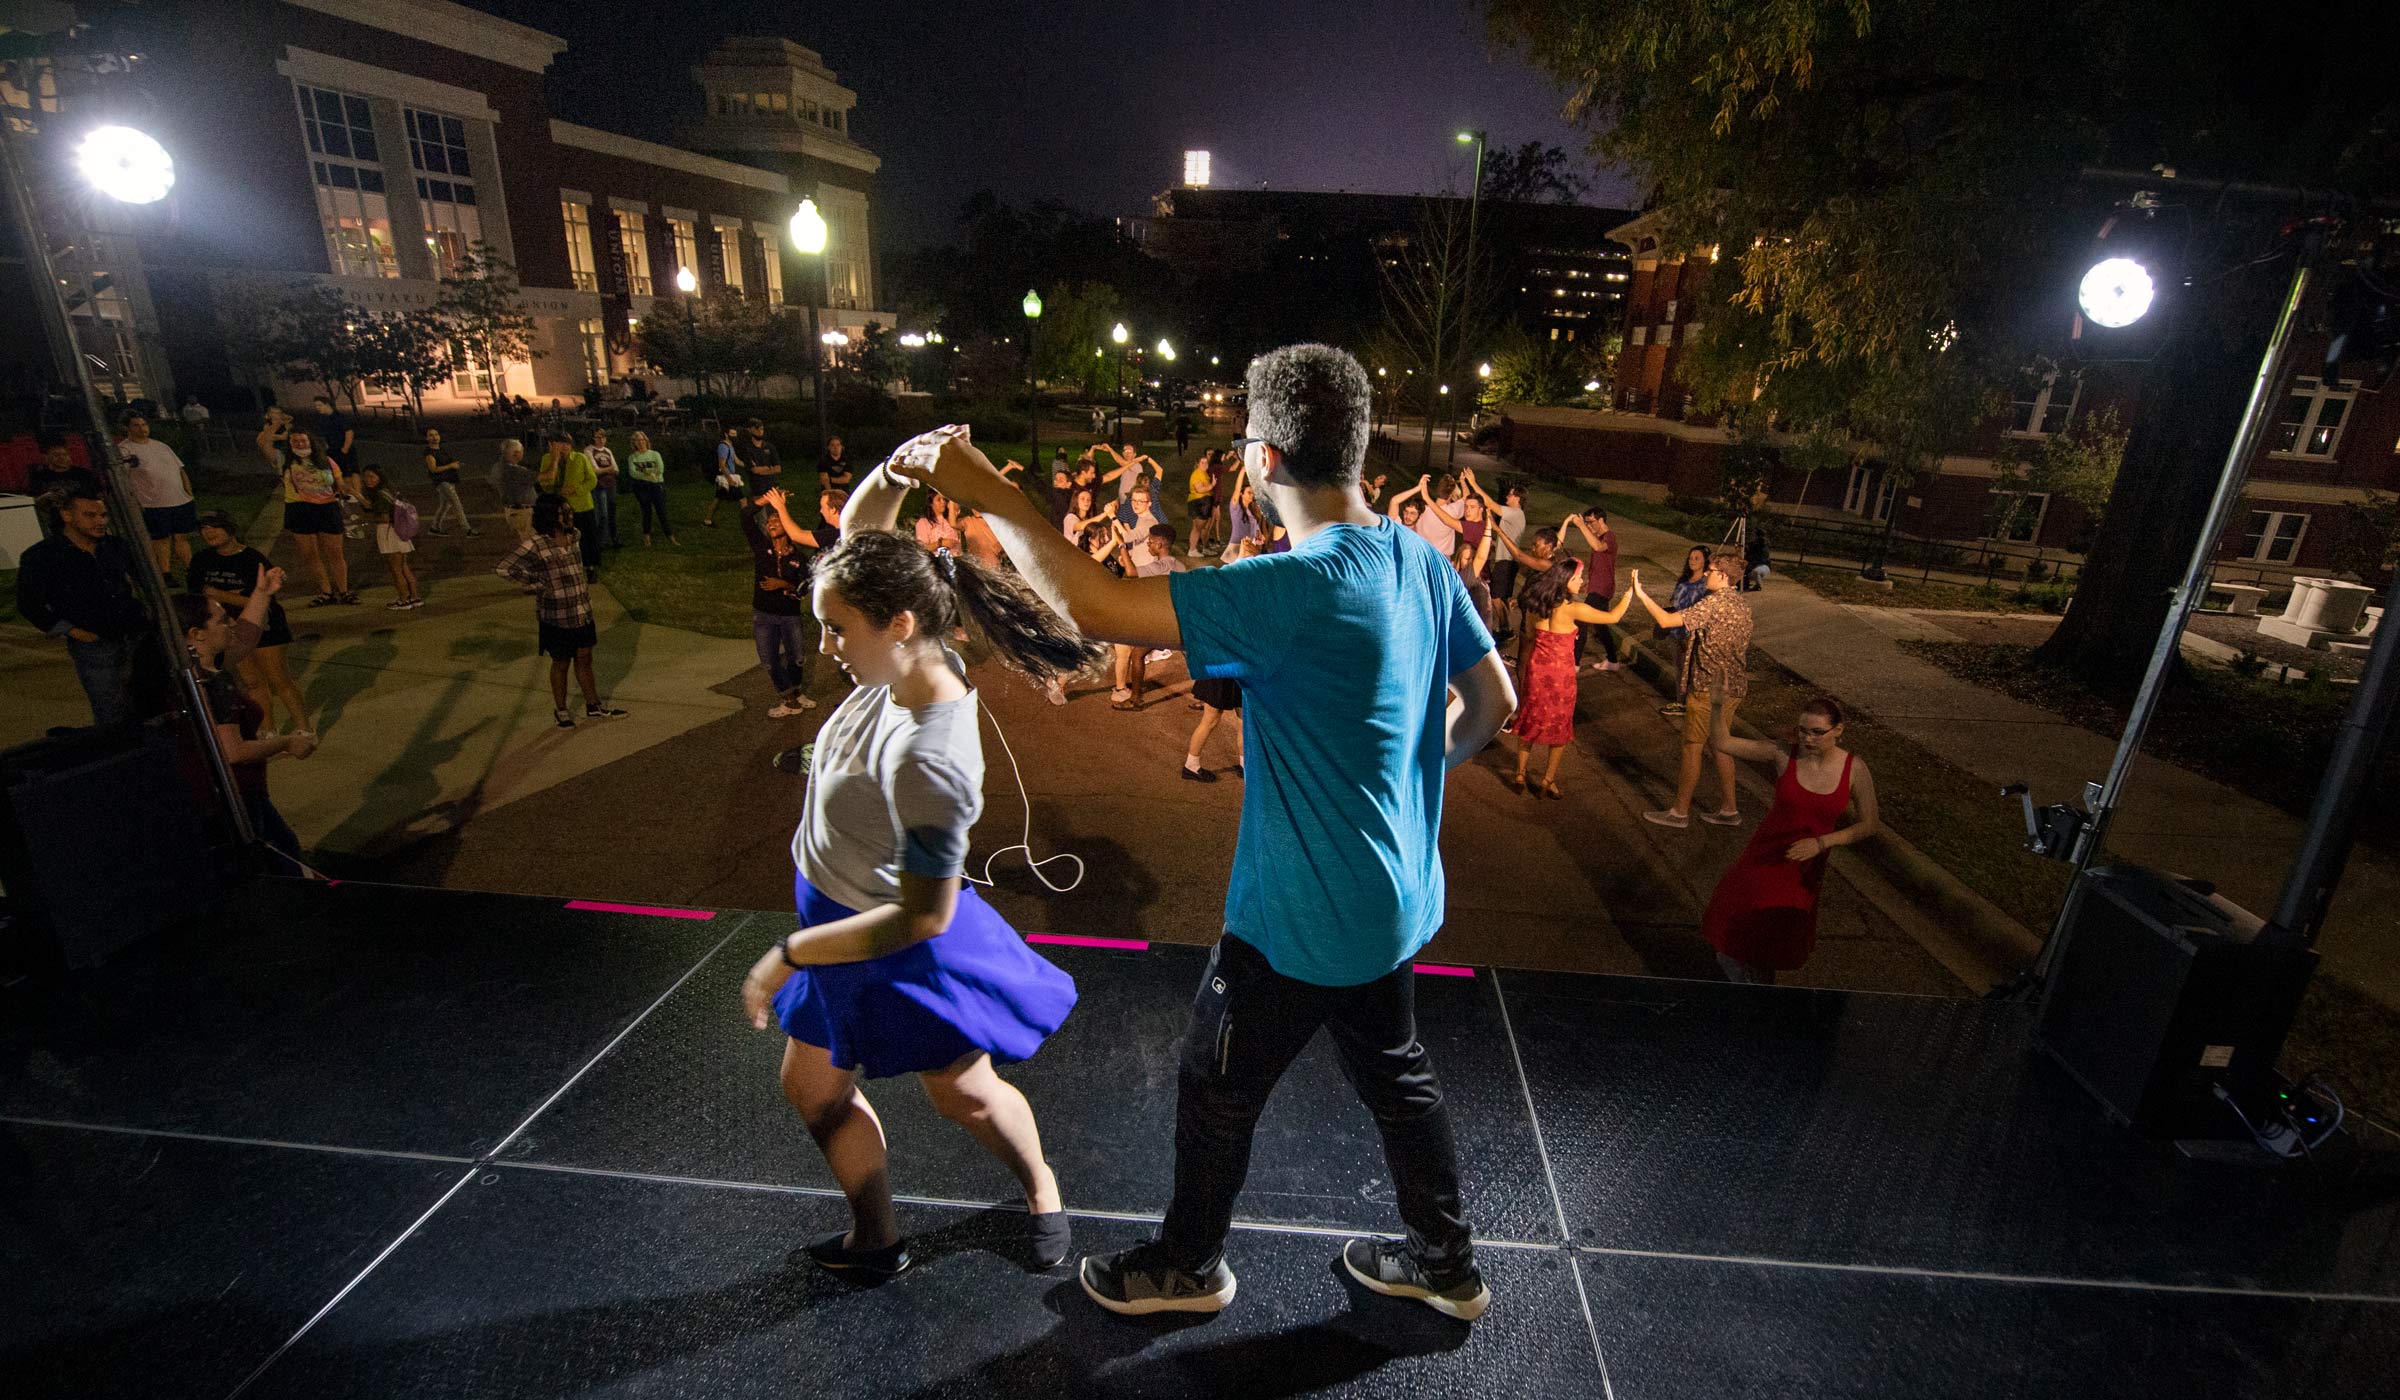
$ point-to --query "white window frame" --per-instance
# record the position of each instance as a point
(2032, 533)
(468, 373)
(633, 230)
(582, 267)
(729, 246)
(460, 219)
(591, 338)
(2027, 415)
(2318, 393)
(1886, 487)
(770, 258)
(360, 208)
(683, 236)
(2264, 552)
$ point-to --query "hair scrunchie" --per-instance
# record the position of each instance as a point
(946, 563)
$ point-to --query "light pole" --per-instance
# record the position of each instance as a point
(808, 236)
(1032, 307)
(1120, 335)
(1466, 294)
(129, 167)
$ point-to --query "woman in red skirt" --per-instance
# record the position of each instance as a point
(1763, 918)
(1555, 604)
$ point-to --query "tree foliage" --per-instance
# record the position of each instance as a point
(1896, 189)
(1076, 317)
(723, 342)
(320, 339)
(1436, 298)
(484, 306)
(1546, 373)
(404, 353)
(1533, 173)
(2078, 464)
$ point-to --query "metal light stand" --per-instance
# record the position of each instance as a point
(123, 506)
(2187, 596)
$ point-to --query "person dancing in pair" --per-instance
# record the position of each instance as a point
(899, 967)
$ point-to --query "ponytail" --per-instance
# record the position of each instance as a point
(883, 574)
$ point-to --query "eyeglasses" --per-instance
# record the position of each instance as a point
(1808, 733)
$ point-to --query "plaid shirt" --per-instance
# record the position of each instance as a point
(556, 568)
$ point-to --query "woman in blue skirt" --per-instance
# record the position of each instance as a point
(899, 967)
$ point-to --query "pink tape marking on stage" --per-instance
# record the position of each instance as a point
(1076, 940)
(653, 910)
(1442, 970)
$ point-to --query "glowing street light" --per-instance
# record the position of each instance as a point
(1033, 306)
(1212, 359)
(685, 282)
(913, 341)
(2116, 292)
(1484, 370)
(934, 338)
(1166, 349)
(808, 228)
(128, 166)
(1379, 371)
(835, 338)
(1445, 388)
(1118, 333)
(1591, 386)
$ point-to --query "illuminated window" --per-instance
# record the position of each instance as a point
(348, 172)
(687, 245)
(2313, 414)
(468, 373)
(729, 243)
(771, 257)
(593, 337)
(579, 246)
(634, 233)
(437, 152)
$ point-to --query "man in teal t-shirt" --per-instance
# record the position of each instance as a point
(1366, 676)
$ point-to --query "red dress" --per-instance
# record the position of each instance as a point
(1764, 912)
(1548, 714)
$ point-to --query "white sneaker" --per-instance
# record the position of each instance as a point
(1162, 654)
(798, 705)
(1057, 694)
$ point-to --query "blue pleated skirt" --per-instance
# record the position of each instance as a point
(975, 986)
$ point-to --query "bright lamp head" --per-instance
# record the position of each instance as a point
(808, 228)
(1033, 306)
(685, 282)
(125, 164)
(2116, 292)
(1118, 333)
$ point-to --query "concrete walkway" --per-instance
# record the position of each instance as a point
(2170, 818)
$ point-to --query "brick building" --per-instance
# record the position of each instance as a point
(366, 144)
(2335, 438)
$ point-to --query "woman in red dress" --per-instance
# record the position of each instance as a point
(1554, 603)
(1763, 917)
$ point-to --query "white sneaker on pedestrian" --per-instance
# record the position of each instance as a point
(797, 705)
(1162, 654)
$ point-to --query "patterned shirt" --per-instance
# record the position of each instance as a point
(556, 568)
(1716, 660)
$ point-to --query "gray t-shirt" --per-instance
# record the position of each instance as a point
(891, 790)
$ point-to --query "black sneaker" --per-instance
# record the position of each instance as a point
(1053, 1239)
(1197, 775)
(1387, 1267)
(603, 710)
(1143, 1280)
(565, 720)
(834, 1252)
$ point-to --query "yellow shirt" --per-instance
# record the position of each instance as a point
(1202, 483)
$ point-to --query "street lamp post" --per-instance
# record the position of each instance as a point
(808, 236)
(1032, 308)
(1120, 335)
(1466, 299)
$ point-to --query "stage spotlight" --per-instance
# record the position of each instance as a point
(126, 165)
(2116, 292)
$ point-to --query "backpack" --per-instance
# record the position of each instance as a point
(404, 519)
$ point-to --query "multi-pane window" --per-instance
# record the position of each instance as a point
(634, 233)
(593, 337)
(2017, 516)
(729, 242)
(687, 245)
(348, 171)
(580, 263)
(2274, 536)
(2044, 404)
(2313, 414)
(771, 257)
(437, 152)
(469, 374)
(845, 253)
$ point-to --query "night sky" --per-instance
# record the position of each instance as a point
(1092, 103)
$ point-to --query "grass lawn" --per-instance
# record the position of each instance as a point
(1841, 584)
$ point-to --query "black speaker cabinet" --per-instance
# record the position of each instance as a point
(101, 845)
(2162, 991)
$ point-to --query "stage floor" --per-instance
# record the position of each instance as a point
(369, 1140)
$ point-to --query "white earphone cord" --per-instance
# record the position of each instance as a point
(1025, 844)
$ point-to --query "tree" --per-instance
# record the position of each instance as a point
(1532, 174)
(1433, 300)
(406, 353)
(2078, 464)
(1545, 372)
(484, 307)
(878, 357)
(723, 341)
(1875, 172)
(321, 340)
(254, 324)
(1076, 317)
